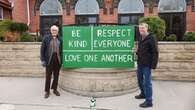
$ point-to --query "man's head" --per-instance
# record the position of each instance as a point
(54, 30)
(143, 28)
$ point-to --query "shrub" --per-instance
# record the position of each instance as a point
(38, 38)
(5, 25)
(18, 27)
(156, 25)
(10, 31)
(189, 36)
(26, 37)
(11, 36)
(171, 37)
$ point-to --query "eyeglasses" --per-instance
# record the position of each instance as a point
(54, 30)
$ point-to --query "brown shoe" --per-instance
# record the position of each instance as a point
(56, 93)
(46, 95)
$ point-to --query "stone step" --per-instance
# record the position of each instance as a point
(21, 67)
(177, 56)
(20, 62)
(20, 59)
(176, 65)
(19, 46)
(21, 54)
(173, 70)
(174, 75)
(22, 72)
(176, 46)
(176, 51)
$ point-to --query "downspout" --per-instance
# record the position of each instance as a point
(28, 13)
(12, 6)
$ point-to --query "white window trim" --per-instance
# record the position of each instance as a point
(1, 13)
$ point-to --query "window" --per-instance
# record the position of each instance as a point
(129, 18)
(1, 13)
(130, 6)
(193, 8)
(86, 19)
(175, 24)
(86, 12)
(167, 6)
(87, 7)
(124, 20)
(51, 7)
(174, 14)
(92, 20)
(130, 11)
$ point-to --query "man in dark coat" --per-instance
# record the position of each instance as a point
(51, 51)
(147, 53)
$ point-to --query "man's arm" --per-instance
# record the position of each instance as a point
(155, 53)
(42, 52)
(61, 49)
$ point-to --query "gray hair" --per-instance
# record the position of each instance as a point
(54, 27)
(144, 24)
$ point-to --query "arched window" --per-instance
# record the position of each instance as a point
(39, 2)
(169, 6)
(174, 14)
(86, 12)
(50, 14)
(129, 12)
(51, 7)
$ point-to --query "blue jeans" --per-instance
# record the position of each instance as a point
(144, 82)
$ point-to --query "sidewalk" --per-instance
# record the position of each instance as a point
(27, 94)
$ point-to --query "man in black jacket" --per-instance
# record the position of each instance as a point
(51, 51)
(147, 53)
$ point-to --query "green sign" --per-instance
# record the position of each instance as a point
(98, 46)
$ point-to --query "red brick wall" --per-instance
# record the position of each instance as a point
(190, 20)
(68, 19)
(20, 15)
(146, 11)
(34, 18)
(19, 12)
(108, 18)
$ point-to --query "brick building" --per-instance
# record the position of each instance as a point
(5, 10)
(40, 14)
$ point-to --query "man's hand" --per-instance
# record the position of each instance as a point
(43, 63)
(135, 50)
(154, 66)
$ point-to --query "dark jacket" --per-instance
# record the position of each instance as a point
(45, 49)
(148, 51)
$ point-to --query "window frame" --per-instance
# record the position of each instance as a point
(129, 15)
(170, 22)
(193, 8)
(78, 16)
(1, 12)
(137, 34)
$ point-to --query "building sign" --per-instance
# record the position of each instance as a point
(98, 46)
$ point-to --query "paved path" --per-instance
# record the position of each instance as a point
(27, 94)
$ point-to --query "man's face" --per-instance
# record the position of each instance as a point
(54, 32)
(143, 29)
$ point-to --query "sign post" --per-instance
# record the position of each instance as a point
(98, 46)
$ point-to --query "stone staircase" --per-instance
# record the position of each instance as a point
(20, 59)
